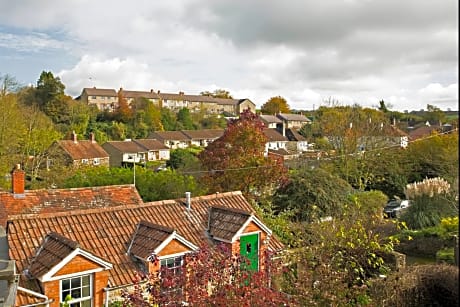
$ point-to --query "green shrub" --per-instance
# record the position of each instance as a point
(445, 255)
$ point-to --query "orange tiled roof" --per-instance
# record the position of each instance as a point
(83, 149)
(107, 232)
(423, 131)
(52, 251)
(147, 238)
(57, 200)
(224, 223)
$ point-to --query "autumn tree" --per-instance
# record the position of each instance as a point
(275, 105)
(210, 276)
(123, 112)
(236, 160)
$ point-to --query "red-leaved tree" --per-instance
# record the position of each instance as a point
(211, 276)
(236, 160)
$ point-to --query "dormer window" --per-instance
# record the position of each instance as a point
(78, 289)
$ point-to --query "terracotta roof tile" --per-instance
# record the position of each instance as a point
(225, 222)
(56, 200)
(107, 232)
(51, 252)
(83, 149)
(148, 237)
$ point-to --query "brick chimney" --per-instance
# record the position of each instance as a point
(18, 180)
(74, 137)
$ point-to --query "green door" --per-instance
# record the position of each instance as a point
(249, 249)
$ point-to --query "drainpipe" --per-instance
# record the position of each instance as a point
(106, 296)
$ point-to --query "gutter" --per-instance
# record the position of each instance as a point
(46, 302)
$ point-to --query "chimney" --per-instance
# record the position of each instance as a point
(188, 202)
(158, 92)
(91, 137)
(18, 180)
(181, 93)
(151, 90)
(74, 137)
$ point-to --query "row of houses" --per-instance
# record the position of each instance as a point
(107, 100)
(157, 147)
(91, 242)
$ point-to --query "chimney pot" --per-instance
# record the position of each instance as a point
(188, 202)
(74, 137)
(91, 137)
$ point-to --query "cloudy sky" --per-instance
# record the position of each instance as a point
(307, 51)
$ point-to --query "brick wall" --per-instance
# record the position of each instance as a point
(76, 266)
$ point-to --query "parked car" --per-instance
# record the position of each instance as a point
(395, 207)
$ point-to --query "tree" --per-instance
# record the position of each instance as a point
(168, 119)
(275, 105)
(312, 194)
(151, 185)
(51, 98)
(123, 112)
(236, 160)
(183, 159)
(211, 276)
(184, 120)
(218, 93)
(40, 134)
(434, 115)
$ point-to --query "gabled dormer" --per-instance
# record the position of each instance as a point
(65, 270)
(242, 230)
(164, 243)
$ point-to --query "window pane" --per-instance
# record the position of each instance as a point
(76, 282)
(85, 280)
(65, 284)
(76, 293)
(86, 303)
(64, 294)
(85, 291)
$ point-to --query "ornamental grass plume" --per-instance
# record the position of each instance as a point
(428, 187)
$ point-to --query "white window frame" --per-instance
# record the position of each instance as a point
(96, 161)
(84, 161)
(80, 299)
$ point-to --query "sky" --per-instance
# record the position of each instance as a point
(310, 52)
